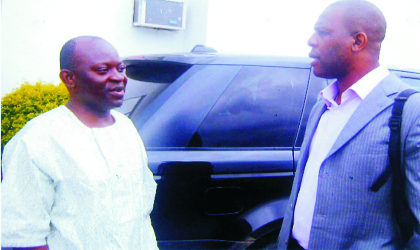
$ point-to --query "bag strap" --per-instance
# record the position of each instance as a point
(394, 152)
(401, 210)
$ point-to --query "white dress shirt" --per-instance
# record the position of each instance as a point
(329, 127)
(69, 186)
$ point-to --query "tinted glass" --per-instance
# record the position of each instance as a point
(260, 108)
(172, 118)
(146, 80)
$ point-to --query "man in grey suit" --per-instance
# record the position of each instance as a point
(346, 141)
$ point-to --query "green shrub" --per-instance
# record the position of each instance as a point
(27, 102)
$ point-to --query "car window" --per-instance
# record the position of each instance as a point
(260, 108)
(173, 116)
(146, 80)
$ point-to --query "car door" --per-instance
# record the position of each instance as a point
(219, 141)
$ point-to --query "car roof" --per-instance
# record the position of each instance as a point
(208, 56)
(408, 70)
(223, 59)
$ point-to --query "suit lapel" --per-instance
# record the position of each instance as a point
(369, 108)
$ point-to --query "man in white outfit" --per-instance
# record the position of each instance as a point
(76, 177)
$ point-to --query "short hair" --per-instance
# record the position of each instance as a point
(67, 55)
(361, 15)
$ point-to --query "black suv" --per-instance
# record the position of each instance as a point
(222, 133)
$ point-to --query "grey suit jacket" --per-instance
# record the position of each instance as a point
(348, 215)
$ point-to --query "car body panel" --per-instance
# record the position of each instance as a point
(223, 135)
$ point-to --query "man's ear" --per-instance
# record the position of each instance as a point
(360, 41)
(67, 76)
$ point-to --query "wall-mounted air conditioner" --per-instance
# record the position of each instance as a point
(160, 14)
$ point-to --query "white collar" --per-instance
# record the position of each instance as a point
(362, 87)
(365, 84)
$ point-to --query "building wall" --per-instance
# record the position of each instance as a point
(281, 27)
(33, 32)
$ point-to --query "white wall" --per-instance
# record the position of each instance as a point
(33, 32)
(283, 27)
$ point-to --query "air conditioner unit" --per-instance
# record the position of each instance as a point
(160, 14)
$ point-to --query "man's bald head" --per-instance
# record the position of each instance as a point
(68, 55)
(93, 73)
(363, 16)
